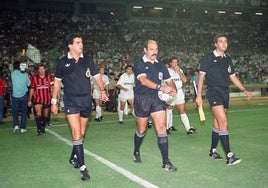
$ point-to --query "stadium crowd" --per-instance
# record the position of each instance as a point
(115, 42)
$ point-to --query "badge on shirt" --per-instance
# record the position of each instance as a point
(160, 75)
(229, 69)
(88, 73)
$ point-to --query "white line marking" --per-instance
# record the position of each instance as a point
(122, 171)
(176, 115)
(113, 166)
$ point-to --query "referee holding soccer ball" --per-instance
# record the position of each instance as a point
(149, 72)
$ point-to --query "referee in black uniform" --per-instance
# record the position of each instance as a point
(149, 72)
(217, 68)
(75, 70)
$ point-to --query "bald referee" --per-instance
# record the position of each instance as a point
(149, 72)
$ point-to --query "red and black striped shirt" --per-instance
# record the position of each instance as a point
(42, 88)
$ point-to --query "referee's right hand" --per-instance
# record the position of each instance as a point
(199, 101)
(54, 108)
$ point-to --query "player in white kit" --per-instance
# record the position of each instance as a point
(126, 83)
(97, 93)
(179, 100)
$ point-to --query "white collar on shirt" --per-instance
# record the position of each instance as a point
(70, 57)
(216, 54)
(145, 59)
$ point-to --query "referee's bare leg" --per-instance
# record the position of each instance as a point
(78, 127)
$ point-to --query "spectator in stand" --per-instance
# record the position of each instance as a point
(20, 83)
(265, 81)
(255, 78)
(195, 76)
(243, 78)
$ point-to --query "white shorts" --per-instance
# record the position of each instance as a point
(178, 99)
(96, 94)
(125, 97)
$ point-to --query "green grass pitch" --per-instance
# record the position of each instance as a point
(28, 160)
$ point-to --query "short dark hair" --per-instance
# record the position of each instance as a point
(172, 58)
(16, 65)
(218, 36)
(101, 67)
(127, 66)
(41, 65)
(70, 38)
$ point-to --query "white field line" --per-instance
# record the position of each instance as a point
(113, 166)
(194, 114)
(122, 171)
(130, 120)
(118, 169)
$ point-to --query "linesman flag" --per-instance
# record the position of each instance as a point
(200, 108)
(33, 53)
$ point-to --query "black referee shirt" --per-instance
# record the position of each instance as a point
(217, 69)
(76, 75)
(155, 72)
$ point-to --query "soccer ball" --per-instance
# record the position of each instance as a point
(164, 96)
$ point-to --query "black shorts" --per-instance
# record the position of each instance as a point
(78, 105)
(144, 105)
(218, 96)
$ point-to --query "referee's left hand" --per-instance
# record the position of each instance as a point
(169, 90)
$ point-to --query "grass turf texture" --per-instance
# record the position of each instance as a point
(28, 160)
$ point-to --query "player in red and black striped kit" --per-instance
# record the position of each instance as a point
(40, 92)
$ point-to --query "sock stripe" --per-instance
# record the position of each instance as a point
(77, 142)
(139, 135)
(225, 132)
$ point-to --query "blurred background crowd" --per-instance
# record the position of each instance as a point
(115, 42)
